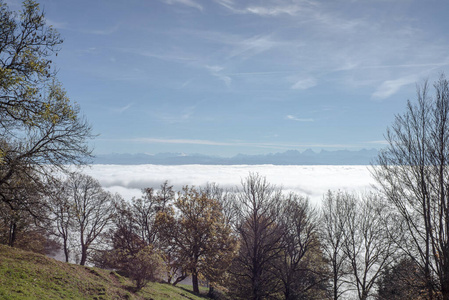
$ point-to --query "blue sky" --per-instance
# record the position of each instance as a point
(222, 77)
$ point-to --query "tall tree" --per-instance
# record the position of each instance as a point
(413, 173)
(333, 228)
(366, 244)
(300, 265)
(40, 129)
(260, 237)
(216, 266)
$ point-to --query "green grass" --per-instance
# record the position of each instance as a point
(26, 275)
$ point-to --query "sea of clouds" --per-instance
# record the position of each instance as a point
(310, 181)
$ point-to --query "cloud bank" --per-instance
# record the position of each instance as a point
(310, 181)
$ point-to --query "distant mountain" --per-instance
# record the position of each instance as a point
(291, 157)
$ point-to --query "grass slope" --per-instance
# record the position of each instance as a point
(26, 275)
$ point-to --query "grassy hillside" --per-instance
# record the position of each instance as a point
(26, 275)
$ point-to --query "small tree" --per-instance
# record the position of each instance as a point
(402, 280)
(61, 215)
(93, 210)
(129, 254)
(145, 266)
(23, 203)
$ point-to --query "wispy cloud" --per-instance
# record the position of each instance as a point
(391, 87)
(279, 145)
(189, 3)
(276, 8)
(121, 109)
(252, 46)
(232, 45)
(183, 116)
(304, 83)
(105, 31)
(233, 49)
(293, 118)
(186, 83)
(173, 119)
(379, 142)
(180, 141)
(382, 47)
(216, 71)
(229, 4)
(172, 56)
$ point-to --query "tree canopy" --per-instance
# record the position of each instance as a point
(40, 128)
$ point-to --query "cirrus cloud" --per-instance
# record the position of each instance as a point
(293, 118)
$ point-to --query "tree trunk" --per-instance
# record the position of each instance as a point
(195, 285)
(211, 290)
(180, 278)
(12, 234)
(66, 250)
(335, 280)
(445, 292)
(83, 256)
(364, 295)
(445, 284)
(287, 288)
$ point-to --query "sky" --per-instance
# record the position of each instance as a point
(222, 77)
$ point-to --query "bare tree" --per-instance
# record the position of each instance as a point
(142, 216)
(93, 209)
(228, 200)
(260, 240)
(366, 244)
(300, 265)
(356, 236)
(146, 208)
(61, 215)
(333, 227)
(413, 174)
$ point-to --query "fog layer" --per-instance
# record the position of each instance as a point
(311, 181)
